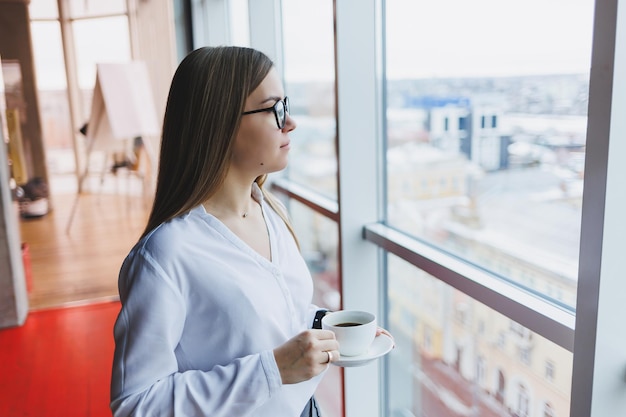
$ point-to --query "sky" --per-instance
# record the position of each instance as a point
(453, 37)
(424, 39)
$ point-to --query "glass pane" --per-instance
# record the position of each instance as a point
(309, 71)
(456, 357)
(53, 99)
(43, 9)
(318, 237)
(99, 40)
(487, 115)
(182, 28)
(48, 55)
(239, 22)
(91, 8)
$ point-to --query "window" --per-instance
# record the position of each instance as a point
(103, 39)
(517, 213)
(524, 355)
(428, 339)
(480, 370)
(520, 204)
(51, 83)
(318, 240)
(462, 123)
(100, 34)
(309, 72)
(467, 341)
(549, 371)
(91, 8)
(522, 402)
(52, 94)
(43, 9)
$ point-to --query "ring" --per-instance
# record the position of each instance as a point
(330, 356)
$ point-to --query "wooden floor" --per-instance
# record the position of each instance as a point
(82, 265)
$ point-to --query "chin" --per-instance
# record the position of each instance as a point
(281, 164)
(276, 167)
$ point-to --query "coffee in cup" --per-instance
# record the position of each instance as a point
(354, 330)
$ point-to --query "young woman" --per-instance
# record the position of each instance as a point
(216, 298)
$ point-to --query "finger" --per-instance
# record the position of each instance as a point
(330, 356)
(323, 334)
(380, 331)
(328, 344)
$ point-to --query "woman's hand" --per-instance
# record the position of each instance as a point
(380, 331)
(306, 355)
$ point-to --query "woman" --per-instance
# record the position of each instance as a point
(216, 298)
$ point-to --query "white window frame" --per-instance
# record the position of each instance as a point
(211, 21)
(360, 180)
(600, 343)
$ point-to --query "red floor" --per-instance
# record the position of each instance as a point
(58, 363)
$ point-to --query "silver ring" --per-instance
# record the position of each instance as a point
(330, 356)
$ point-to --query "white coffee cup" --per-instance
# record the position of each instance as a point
(354, 330)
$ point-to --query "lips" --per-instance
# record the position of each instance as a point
(286, 145)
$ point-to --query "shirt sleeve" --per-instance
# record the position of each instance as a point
(146, 380)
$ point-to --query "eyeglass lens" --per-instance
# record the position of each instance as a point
(281, 108)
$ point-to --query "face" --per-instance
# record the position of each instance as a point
(260, 146)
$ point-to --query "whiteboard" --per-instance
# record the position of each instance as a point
(122, 106)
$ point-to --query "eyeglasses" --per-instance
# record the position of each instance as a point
(280, 109)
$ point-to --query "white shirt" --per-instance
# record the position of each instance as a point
(201, 313)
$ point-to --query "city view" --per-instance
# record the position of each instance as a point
(490, 170)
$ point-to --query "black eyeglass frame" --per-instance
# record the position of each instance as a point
(274, 108)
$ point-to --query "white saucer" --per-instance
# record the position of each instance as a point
(379, 347)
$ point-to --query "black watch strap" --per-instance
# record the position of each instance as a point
(317, 321)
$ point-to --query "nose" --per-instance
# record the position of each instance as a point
(290, 123)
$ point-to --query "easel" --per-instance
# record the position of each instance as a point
(122, 108)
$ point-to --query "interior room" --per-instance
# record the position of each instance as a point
(455, 170)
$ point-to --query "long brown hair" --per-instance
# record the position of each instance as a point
(206, 99)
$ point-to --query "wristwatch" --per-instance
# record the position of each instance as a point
(317, 321)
